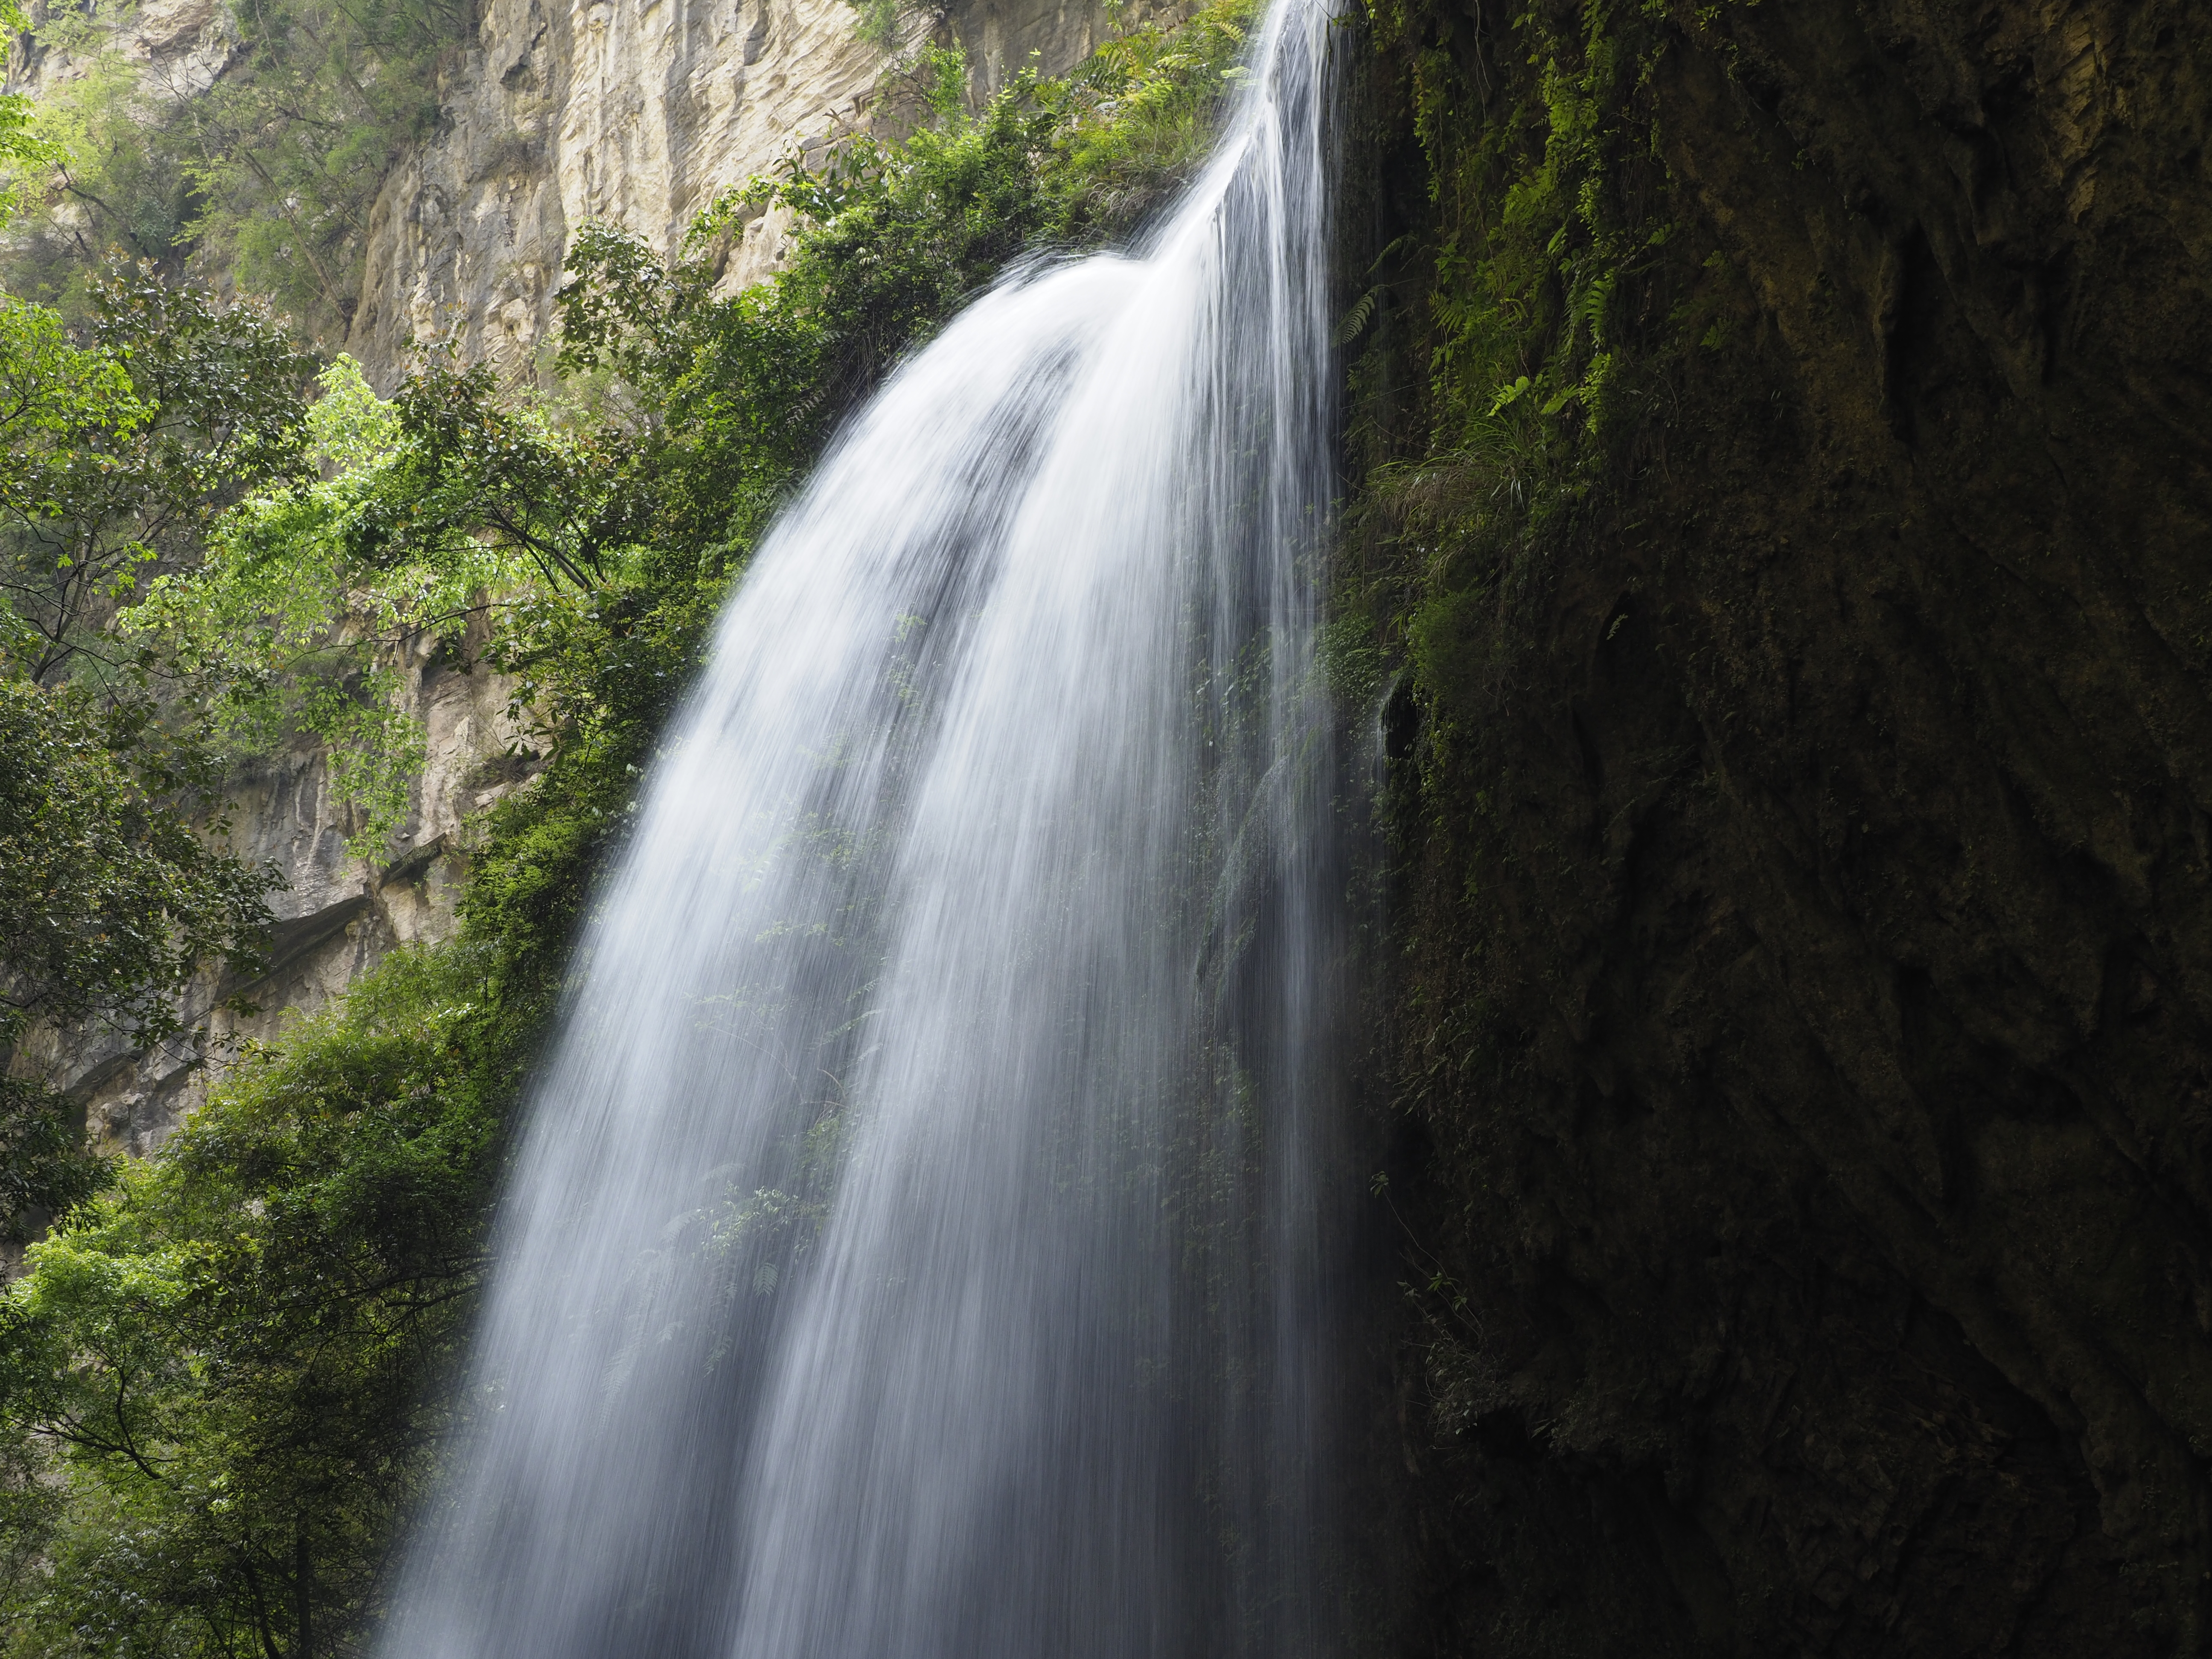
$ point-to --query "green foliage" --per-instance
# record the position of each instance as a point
(118, 451)
(23, 147)
(125, 452)
(105, 893)
(45, 1167)
(876, 21)
(232, 1363)
(103, 188)
(1527, 299)
(1139, 117)
(109, 903)
(268, 172)
(57, 400)
(736, 393)
(294, 618)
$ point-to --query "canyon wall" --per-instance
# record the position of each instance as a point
(338, 913)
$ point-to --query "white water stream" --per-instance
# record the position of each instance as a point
(917, 1247)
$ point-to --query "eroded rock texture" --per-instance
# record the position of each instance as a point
(639, 113)
(1814, 1000)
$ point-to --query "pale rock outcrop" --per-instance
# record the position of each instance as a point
(638, 113)
(179, 47)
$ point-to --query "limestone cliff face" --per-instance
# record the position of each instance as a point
(179, 47)
(634, 111)
(641, 112)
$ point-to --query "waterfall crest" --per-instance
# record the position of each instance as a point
(917, 1240)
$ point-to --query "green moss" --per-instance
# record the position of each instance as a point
(1529, 297)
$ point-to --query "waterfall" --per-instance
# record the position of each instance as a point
(918, 1240)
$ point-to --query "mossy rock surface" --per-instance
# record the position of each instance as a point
(1801, 1020)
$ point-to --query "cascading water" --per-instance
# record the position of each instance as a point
(917, 1243)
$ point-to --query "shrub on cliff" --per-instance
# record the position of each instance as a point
(114, 889)
(254, 147)
(109, 903)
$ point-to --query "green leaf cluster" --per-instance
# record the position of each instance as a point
(127, 445)
(109, 904)
(24, 149)
(307, 593)
(234, 1363)
(106, 896)
(115, 894)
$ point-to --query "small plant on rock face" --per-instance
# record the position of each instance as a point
(876, 21)
(1520, 307)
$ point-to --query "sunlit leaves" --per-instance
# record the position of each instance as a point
(122, 452)
(310, 592)
(55, 400)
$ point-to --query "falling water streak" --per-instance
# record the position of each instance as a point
(917, 1245)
